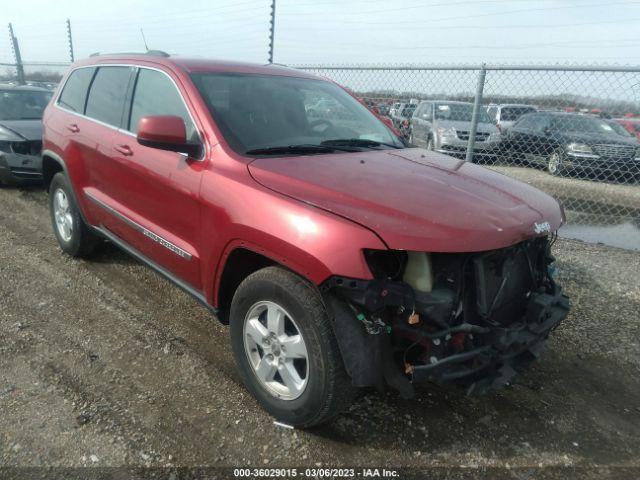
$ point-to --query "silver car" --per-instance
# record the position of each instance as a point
(444, 126)
(504, 116)
(21, 109)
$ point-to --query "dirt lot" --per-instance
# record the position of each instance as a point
(103, 363)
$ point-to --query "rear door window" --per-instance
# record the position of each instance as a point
(527, 122)
(156, 94)
(510, 114)
(74, 93)
(107, 95)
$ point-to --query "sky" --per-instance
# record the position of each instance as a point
(334, 32)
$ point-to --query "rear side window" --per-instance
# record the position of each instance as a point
(510, 114)
(155, 94)
(107, 94)
(527, 122)
(74, 94)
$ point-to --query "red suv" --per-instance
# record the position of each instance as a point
(340, 257)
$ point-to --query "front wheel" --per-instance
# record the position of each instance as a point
(284, 345)
(554, 163)
(430, 143)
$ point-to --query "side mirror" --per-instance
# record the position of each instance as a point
(166, 132)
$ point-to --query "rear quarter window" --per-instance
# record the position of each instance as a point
(74, 93)
(107, 95)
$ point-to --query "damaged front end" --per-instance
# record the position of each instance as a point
(473, 319)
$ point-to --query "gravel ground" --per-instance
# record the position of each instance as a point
(610, 195)
(103, 363)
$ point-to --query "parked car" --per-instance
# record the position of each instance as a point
(573, 143)
(632, 125)
(504, 116)
(383, 109)
(444, 126)
(394, 108)
(21, 109)
(339, 257)
(402, 115)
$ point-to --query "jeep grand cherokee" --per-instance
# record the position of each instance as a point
(340, 257)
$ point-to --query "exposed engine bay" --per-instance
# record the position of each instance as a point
(473, 319)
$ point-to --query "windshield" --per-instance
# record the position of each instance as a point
(583, 124)
(460, 112)
(23, 105)
(258, 112)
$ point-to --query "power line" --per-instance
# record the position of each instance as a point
(517, 27)
(423, 5)
(484, 15)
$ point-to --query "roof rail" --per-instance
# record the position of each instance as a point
(152, 53)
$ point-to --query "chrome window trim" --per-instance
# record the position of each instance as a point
(136, 226)
(122, 130)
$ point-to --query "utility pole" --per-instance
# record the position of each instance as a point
(70, 40)
(16, 54)
(272, 29)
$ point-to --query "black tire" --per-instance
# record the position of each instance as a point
(430, 145)
(82, 241)
(328, 389)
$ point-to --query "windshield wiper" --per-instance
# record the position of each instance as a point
(357, 142)
(295, 149)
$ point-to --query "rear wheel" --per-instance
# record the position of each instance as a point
(73, 235)
(286, 350)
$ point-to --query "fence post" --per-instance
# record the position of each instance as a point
(70, 40)
(476, 110)
(18, 57)
(272, 28)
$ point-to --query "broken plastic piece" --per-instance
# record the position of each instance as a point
(284, 425)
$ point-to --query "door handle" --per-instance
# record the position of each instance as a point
(73, 128)
(124, 150)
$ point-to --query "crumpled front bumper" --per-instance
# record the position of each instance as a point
(504, 350)
(16, 168)
(476, 329)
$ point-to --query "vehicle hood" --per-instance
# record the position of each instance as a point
(466, 126)
(27, 129)
(414, 199)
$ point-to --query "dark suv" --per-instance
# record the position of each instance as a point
(21, 109)
(339, 257)
(570, 143)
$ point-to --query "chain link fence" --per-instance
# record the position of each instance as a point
(572, 131)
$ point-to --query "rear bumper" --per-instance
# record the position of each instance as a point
(17, 169)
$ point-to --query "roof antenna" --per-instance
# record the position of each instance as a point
(144, 40)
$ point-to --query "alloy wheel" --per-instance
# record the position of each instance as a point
(63, 216)
(554, 163)
(276, 350)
